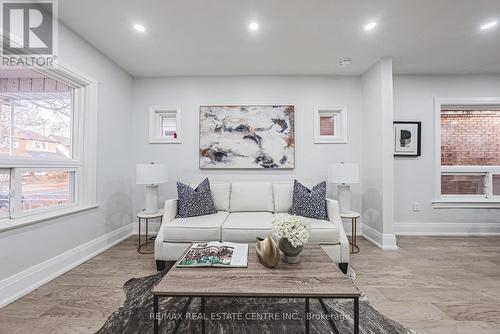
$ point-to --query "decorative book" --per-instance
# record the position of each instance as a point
(215, 254)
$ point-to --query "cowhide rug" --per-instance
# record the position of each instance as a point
(240, 315)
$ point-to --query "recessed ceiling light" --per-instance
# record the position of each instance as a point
(139, 27)
(345, 62)
(370, 26)
(489, 25)
(254, 26)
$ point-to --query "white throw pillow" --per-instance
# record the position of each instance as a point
(251, 196)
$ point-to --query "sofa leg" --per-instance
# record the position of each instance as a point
(343, 267)
(160, 265)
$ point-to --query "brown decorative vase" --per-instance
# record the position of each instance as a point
(267, 251)
(290, 253)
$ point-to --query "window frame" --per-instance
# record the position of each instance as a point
(7, 171)
(340, 125)
(156, 114)
(462, 201)
(84, 153)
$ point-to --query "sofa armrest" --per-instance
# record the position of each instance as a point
(333, 210)
(169, 213)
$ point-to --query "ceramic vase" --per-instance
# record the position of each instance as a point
(267, 251)
(290, 253)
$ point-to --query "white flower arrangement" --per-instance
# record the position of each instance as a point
(291, 227)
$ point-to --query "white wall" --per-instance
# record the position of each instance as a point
(377, 165)
(189, 92)
(25, 247)
(414, 177)
(123, 141)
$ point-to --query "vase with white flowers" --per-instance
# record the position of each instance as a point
(292, 232)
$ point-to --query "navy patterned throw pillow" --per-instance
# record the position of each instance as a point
(309, 203)
(194, 202)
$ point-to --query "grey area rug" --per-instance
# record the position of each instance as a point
(240, 315)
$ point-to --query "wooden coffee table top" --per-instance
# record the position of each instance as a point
(315, 276)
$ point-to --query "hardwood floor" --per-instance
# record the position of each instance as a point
(435, 284)
(431, 284)
(80, 300)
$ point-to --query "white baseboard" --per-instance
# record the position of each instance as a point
(384, 241)
(447, 229)
(17, 285)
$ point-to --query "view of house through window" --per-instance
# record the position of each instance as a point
(470, 150)
(36, 129)
(35, 118)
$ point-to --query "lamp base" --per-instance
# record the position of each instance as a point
(344, 197)
(152, 194)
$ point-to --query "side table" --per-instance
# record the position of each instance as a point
(146, 217)
(353, 216)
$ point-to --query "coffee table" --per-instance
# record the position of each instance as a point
(316, 276)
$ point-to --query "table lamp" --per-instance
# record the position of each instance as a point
(151, 175)
(344, 174)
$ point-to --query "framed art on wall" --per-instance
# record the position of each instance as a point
(407, 139)
(247, 137)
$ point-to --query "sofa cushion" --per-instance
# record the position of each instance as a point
(323, 231)
(194, 229)
(309, 203)
(194, 202)
(251, 196)
(283, 195)
(246, 226)
(220, 193)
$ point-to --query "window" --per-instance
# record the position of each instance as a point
(463, 184)
(44, 169)
(326, 125)
(41, 146)
(469, 151)
(42, 189)
(496, 185)
(330, 125)
(164, 125)
(169, 126)
(35, 119)
(4, 193)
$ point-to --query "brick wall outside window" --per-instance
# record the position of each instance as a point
(462, 184)
(326, 126)
(470, 138)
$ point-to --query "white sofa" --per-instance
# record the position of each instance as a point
(245, 211)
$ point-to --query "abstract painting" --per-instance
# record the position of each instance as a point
(407, 140)
(247, 136)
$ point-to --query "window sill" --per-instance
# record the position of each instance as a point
(466, 204)
(10, 224)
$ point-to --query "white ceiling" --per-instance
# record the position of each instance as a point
(211, 37)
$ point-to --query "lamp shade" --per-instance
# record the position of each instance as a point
(343, 173)
(151, 173)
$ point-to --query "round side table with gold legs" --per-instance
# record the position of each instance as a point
(142, 216)
(353, 216)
